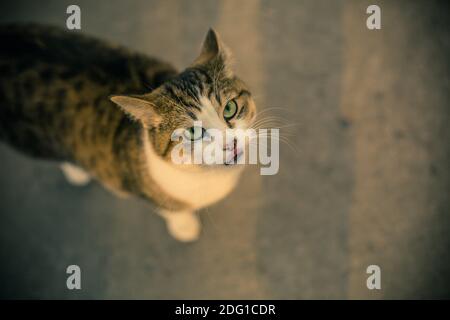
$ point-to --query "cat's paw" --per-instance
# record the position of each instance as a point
(75, 175)
(184, 226)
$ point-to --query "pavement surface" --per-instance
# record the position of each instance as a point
(365, 181)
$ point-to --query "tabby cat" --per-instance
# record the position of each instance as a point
(108, 113)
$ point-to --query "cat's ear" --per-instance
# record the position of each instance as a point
(138, 108)
(213, 48)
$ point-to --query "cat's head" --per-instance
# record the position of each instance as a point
(208, 92)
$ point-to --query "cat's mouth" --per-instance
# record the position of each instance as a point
(236, 155)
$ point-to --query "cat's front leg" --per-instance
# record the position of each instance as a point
(75, 175)
(183, 225)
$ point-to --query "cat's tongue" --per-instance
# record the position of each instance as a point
(234, 156)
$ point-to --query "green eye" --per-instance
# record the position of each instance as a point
(230, 110)
(194, 133)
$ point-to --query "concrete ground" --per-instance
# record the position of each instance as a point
(367, 181)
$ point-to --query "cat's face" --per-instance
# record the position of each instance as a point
(208, 93)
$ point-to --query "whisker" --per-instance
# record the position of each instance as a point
(254, 141)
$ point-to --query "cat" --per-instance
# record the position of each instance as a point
(108, 113)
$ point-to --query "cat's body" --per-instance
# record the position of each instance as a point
(54, 104)
(54, 101)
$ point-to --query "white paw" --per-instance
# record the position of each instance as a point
(184, 226)
(75, 175)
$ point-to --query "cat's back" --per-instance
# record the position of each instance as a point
(50, 76)
(68, 53)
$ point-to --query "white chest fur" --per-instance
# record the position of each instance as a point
(196, 188)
